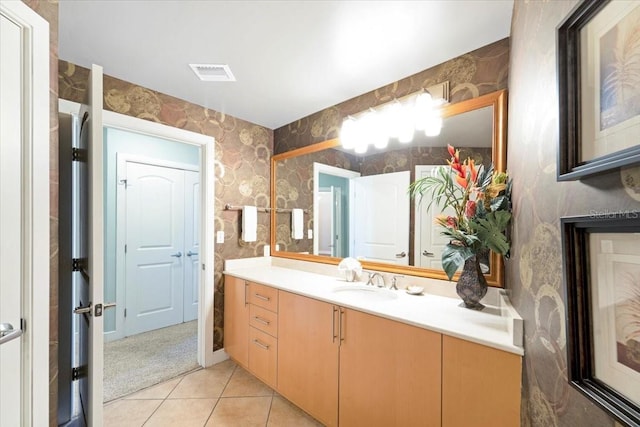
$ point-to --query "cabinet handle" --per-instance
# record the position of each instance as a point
(246, 285)
(341, 325)
(262, 297)
(261, 320)
(261, 345)
(334, 335)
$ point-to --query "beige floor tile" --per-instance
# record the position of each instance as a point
(244, 384)
(285, 414)
(182, 412)
(240, 411)
(129, 413)
(160, 391)
(205, 383)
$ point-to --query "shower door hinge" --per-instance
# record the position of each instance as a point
(79, 372)
(78, 155)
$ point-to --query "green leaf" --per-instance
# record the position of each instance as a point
(499, 203)
(490, 231)
(453, 257)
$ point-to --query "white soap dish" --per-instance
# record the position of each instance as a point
(414, 290)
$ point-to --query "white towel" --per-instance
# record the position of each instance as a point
(297, 223)
(249, 223)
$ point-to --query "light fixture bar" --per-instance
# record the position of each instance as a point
(399, 118)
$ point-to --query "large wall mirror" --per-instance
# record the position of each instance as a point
(357, 204)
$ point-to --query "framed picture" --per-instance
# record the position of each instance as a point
(601, 261)
(599, 88)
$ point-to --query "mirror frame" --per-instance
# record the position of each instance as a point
(498, 100)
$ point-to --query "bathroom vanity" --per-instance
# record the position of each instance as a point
(356, 355)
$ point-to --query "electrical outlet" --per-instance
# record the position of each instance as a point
(310, 234)
(220, 236)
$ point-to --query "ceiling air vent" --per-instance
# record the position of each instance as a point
(213, 72)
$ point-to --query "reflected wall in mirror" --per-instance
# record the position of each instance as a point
(358, 205)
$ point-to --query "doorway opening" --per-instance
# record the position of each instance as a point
(190, 330)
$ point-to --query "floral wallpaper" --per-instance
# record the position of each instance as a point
(242, 160)
(534, 272)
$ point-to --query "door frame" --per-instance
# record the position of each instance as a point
(206, 144)
(206, 356)
(37, 256)
(319, 168)
(419, 222)
(121, 235)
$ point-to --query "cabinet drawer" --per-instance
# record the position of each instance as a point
(265, 320)
(263, 296)
(263, 356)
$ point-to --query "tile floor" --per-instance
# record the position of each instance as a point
(222, 395)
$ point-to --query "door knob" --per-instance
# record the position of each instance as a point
(177, 255)
(7, 333)
(192, 253)
(401, 254)
(427, 253)
(87, 309)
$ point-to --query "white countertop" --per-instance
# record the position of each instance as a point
(493, 326)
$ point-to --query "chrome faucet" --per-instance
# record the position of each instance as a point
(373, 275)
(394, 281)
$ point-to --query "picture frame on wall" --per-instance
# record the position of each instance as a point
(598, 88)
(601, 263)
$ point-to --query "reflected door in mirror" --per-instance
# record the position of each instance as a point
(381, 218)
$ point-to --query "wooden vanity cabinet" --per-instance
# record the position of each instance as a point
(389, 373)
(480, 385)
(308, 355)
(236, 320)
(263, 332)
(250, 327)
(378, 372)
(349, 368)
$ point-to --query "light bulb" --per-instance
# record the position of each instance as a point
(348, 133)
(433, 125)
(423, 106)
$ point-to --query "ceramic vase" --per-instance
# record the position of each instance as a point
(472, 285)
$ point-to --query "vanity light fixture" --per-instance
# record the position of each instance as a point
(398, 119)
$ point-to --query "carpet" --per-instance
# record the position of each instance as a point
(149, 358)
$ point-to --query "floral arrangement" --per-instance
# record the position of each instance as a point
(479, 202)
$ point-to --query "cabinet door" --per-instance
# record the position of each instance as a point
(236, 320)
(308, 355)
(263, 355)
(390, 373)
(480, 385)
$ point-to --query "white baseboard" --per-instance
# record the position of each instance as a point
(217, 357)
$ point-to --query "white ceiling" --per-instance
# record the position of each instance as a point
(290, 58)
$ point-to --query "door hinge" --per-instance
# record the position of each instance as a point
(125, 312)
(78, 264)
(125, 249)
(78, 155)
(79, 372)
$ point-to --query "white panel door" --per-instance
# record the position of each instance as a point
(24, 216)
(381, 217)
(92, 242)
(10, 223)
(155, 238)
(429, 241)
(191, 244)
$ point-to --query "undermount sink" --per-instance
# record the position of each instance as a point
(365, 293)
